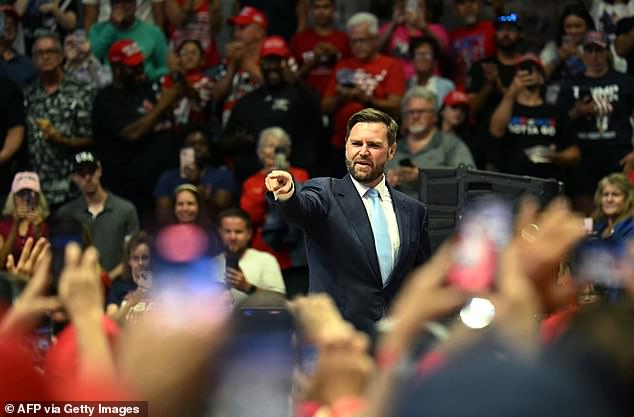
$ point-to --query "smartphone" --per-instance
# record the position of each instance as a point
(567, 40)
(406, 162)
(231, 260)
(482, 234)
(527, 66)
(345, 77)
(40, 341)
(187, 161)
(281, 162)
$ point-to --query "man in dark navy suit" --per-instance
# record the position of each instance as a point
(362, 236)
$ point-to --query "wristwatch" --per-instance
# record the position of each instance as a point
(252, 288)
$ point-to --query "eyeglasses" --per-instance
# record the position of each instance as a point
(424, 55)
(367, 39)
(46, 52)
(412, 112)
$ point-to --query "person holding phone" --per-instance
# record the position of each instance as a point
(366, 79)
(214, 183)
(271, 234)
(563, 56)
(25, 214)
(246, 270)
(534, 136)
(600, 103)
(129, 295)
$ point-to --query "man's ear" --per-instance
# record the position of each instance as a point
(391, 151)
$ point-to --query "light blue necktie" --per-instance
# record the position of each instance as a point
(382, 241)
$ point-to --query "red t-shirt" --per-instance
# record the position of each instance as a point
(380, 77)
(253, 201)
(5, 230)
(302, 45)
(470, 44)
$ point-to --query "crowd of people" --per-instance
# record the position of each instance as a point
(163, 185)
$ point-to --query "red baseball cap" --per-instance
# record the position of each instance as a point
(249, 15)
(127, 52)
(274, 46)
(456, 98)
(531, 58)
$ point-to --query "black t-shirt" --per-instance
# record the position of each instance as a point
(130, 168)
(293, 107)
(603, 140)
(624, 26)
(282, 15)
(542, 125)
(476, 81)
(484, 148)
(11, 115)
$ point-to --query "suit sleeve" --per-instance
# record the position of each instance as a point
(424, 249)
(307, 207)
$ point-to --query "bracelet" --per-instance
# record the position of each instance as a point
(347, 406)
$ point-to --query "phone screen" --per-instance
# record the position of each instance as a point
(187, 161)
(482, 235)
(231, 260)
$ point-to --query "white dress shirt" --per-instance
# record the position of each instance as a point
(388, 210)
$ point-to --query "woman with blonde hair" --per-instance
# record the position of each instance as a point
(25, 213)
(614, 202)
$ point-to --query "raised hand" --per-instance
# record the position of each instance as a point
(80, 285)
(29, 257)
(279, 182)
(33, 302)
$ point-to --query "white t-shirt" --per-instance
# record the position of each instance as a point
(259, 268)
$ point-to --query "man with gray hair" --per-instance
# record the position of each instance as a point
(58, 110)
(366, 79)
(425, 146)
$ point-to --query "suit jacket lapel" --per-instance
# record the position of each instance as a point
(355, 213)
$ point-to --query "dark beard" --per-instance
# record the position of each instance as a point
(375, 173)
(508, 49)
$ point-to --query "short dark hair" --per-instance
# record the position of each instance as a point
(194, 42)
(425, 39)
(236, 212)
(370, 115)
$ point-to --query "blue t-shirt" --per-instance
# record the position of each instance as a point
(214, 179)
